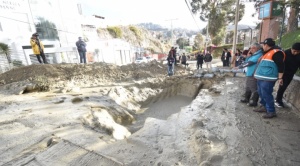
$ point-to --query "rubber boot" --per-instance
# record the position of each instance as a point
(253, 99)
(246, 96)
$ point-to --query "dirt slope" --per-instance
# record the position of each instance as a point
(60, 76)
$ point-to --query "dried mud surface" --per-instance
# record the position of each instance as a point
(100, 114)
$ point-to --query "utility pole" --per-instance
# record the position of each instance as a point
(235, 31)
(282, 25)
(172, 28)
(206, 38)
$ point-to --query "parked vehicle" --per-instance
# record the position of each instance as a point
(149, 58)
(141, 60)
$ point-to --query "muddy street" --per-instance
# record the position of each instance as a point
(135, 115)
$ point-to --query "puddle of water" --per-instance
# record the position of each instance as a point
(161, 110)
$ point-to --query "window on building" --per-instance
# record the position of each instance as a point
(46, 29)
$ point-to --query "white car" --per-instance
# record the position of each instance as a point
(141, 59)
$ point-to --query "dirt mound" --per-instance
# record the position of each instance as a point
(83, 75)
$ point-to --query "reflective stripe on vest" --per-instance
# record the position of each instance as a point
(269, 56)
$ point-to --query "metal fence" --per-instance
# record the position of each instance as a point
(20, 58)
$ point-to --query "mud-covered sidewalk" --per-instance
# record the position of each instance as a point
(94, 122)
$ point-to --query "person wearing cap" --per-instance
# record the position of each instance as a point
(269, 70)
(38, 48)
(81, 47)
(292, 64)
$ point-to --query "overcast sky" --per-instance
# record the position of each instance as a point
(126, 12)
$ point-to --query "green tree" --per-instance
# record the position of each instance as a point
(229, 37)
(182, 42)
(5, 49)
(198, 42)
(46, 29)
(218, 13)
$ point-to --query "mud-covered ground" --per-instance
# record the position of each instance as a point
(96, 114)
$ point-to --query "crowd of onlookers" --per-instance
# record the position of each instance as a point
(201, 58)
(265, 64)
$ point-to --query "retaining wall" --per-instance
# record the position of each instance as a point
(292, 94)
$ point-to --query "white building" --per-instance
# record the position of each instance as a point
(56, 24)
(59, 23)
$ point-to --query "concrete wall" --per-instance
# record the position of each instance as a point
(292, 94)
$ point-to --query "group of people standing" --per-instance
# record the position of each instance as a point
(38, 49)
(226, 57)
(267, 63)
(204, 58)
(201, 58)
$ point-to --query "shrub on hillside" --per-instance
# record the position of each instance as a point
(116, 32)
(136, 31)
(289, 39)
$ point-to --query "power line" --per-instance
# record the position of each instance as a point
(192, 14)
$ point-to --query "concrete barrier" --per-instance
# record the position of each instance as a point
(292, 93)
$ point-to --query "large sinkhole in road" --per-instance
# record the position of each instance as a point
(179, 95)
(161, 110)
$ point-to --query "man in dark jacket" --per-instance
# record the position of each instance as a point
(80, 44)
(200, 59)
(269, 69)
(223, 57)
(183, 60)
(171, 62)
(292, 64)
(207, 60)
(227, 57)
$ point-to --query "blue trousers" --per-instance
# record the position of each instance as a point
(265, 90)
(170, 70)
(82, 56)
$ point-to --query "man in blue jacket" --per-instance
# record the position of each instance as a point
(269, 70)
(81, 47)
(251, 94)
